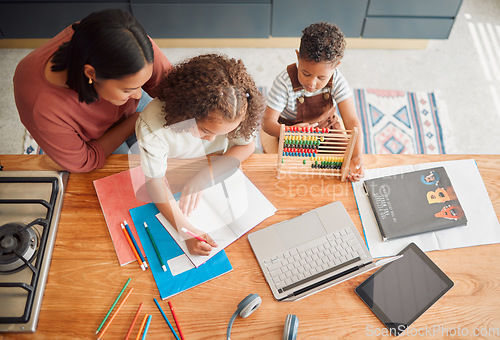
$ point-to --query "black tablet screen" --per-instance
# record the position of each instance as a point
(402, 290)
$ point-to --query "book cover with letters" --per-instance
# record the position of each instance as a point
(414, 202)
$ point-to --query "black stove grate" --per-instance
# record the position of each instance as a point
(45, 224)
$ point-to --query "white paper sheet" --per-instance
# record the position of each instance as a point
(225, 213)
(482, 227)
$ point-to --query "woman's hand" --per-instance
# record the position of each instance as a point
(356, 169)
(195, 246)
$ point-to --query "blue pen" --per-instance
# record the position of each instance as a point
(146, 328)
(165, 317)
(135, 244)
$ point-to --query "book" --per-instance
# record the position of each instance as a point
(227, 210)
(414, 202)
(118, 194)
(482, 221)
(181, 274)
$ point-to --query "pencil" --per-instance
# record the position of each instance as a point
(113, 305)
(147, 327)
(142, 326)
(187, 231)
(135, 244)
(133, 321)
(156, 247)
(165, 317)
(175, 319)
(116, 312)
(132, 247)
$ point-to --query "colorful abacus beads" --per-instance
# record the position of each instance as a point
(308, 142)
(306, 129)
(327, 162)
(299, 152)
(309, 146)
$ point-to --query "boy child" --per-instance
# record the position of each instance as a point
(313, 93)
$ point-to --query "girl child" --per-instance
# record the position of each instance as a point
(205, 105)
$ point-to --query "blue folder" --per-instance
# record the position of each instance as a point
(169, 285)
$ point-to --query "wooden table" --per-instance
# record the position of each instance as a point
(85, 276)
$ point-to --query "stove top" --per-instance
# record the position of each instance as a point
(30, 207)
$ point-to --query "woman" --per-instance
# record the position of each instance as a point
(80, 93)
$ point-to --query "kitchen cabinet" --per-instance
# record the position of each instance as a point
(290, 17)
(410, 19)
(39, 19)
(202, 19)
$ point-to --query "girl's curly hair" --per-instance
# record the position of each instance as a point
(199, 86)
(322, 42)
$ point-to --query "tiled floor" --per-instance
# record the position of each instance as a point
(463, 70)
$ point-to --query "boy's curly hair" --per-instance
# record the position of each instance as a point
(322, 42)
(198, 86)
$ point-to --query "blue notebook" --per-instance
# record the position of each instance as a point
(169, 284)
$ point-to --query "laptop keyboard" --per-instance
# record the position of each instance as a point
(314, 259)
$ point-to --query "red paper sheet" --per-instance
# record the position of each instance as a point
(117, 195)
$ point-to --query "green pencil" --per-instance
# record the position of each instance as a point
(156, 248)
(113, 306)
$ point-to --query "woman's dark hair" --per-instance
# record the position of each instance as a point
(199, 86)
(322, 42)
(112, 41)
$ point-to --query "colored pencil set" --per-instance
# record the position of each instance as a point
(116, 311)
(143, 329)
(133, 245)
(168, 322)
(146, 321)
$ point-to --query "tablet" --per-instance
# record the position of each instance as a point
(401, 291)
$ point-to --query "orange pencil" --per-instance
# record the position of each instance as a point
(142, 326)
(175, 319)
(116, 312)
(133, 321)
(132, 246)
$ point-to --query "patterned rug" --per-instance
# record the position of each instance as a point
(393, 121)
(30, 147)
(397, 122)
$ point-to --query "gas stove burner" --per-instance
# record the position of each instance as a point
(18, 246)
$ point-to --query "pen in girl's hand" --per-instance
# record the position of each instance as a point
(193, 234)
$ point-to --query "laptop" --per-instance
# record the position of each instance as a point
(311, 252)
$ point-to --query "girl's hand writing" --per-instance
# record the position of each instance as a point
(195, 245)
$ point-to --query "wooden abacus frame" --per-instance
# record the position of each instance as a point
(324, 151)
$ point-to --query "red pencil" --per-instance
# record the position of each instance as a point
(133, 321)
(175, 319)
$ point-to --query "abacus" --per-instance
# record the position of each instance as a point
(312, 150)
